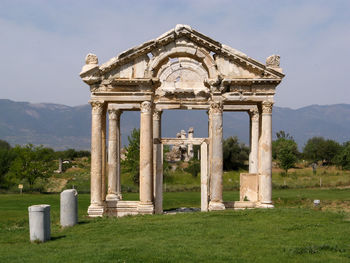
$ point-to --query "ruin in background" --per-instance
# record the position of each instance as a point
(181, 69)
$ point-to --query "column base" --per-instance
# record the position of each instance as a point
(96, 210)
(216, 206)
(265, 205)
(144, 209)
(112, 197)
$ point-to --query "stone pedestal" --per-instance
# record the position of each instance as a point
(96, 207)
(146, 160)
(39, 223)
(69, 207)
(216, 202)
(265, 154)
(249, 187)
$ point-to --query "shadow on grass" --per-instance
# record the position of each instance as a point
(57, 238)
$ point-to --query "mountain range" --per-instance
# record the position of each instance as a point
(61, 127)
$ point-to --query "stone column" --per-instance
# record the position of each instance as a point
(216, 202)
(96, 207)
(190, 152)
(113, 155)
(146, 159)
(265, 155)
(157, 163)
(254, 141)
(104, 156)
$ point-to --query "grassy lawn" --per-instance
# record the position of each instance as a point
(294, 231)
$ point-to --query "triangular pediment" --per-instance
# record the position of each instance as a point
(152, 58)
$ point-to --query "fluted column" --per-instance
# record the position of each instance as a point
(254, 141)
(96, 207)
(146, 159)
(113, 155)
(265, 156)
(104, 156)
(216, 202)
(157, 163)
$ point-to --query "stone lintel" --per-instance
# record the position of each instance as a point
(172, 141)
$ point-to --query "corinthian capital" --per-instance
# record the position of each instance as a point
(215, 107)
(113, 114)
(267, 107)
(254, 114)
(146, 107)
(157, 114)
(97, 107)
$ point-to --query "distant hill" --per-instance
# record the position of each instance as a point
(62, 127)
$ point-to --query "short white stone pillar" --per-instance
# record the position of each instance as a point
(39, 223)
(69, 208)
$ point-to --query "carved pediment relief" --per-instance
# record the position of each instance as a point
(182, 75)
(199, 59)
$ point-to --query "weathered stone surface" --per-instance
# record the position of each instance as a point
(69, 207)
(249, 187)
(181, 69)
(39, 223)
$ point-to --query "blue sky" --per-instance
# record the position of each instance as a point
(43, 43)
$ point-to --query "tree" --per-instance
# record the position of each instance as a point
(235, 154)
(132, 160)
(343, 158)
(6, 158)
(31, 163)
(286, 153)
(318, 149)
(5, 145)
(193, 168)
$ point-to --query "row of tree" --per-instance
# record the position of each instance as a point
(316, 150)
(29, 162)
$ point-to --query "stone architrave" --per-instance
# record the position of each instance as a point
(146, 159)
(113, 192)
(96, 207)
(216, 202)
(254, 141)
(158, 163)
(265, 154)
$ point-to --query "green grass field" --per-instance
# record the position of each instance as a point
(294, 231)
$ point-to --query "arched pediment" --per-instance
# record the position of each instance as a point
(199, 60)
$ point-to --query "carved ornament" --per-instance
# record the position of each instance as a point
(254, 114)
(97, 107)
(114, 114)
(157, 115)
(215, 107)
(91, 59)
(267, 107)
(273, 61)
(146, 107)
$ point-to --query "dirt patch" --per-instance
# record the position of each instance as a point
(56, 185)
